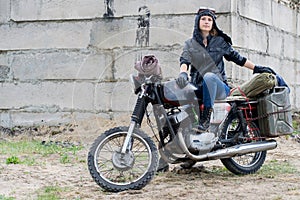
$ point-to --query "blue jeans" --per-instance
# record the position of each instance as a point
(213, 89)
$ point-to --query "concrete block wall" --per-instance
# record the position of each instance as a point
(62, 61)
(269, 32)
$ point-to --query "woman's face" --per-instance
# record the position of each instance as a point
(205, 23)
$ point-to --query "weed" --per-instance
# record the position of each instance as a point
(13, 160)
(64, 158)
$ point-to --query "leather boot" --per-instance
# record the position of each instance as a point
(204, 122)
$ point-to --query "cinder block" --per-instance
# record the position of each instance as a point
(5, 119)
(280, 66)
(117, 96)
(122, 97)
(263, 59)
(5, 72)
(40, 118)
(275, 62)
(46, 96)
(171, 30)
(5, 69)
(224, 23)
(81, 118)
(26, 94)
(129, 7)
(169, 61)
(18, 118)
(124, 62)
(257, 10)
(229, 70)
(31, 10)
(45, 35)
(62, 65)
(113, 33)
(286, 23)
(4, 11)
(275, 41)
(102, 99)
(289, 50)
(3, 58)
(237, 75)
(288, 71)
(83, 96)
(249, 34)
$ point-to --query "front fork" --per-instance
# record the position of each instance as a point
(136, 119)
(126, 145)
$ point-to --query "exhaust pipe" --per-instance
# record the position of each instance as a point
(230, 151)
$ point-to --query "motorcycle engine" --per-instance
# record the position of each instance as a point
(182, 120)
(179, 119)
(201, 143)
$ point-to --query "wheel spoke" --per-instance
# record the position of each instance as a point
(244, 159)
(108, 170)
(247, 163)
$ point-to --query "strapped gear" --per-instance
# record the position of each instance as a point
(255, 86)
(148, 66)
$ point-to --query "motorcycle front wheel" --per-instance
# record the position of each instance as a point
(248, 163)
(115, 171)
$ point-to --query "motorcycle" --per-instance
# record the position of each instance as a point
(125, 158)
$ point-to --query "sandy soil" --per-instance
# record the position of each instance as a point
(207, 180)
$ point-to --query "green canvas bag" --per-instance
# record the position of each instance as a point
(255, 86)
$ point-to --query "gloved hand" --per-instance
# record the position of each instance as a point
(261, 69)
(182, 80)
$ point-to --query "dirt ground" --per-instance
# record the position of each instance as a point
(207, 180)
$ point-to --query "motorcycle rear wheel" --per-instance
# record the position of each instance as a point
(248, 163)
(114, 171)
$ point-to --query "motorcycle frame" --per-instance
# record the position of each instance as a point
(149, 94)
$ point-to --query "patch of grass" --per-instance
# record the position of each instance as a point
(275, 167)
(30, 161)
(64, 158)
(29, 149)
(219, 171)
(6, 198)
(50, 193)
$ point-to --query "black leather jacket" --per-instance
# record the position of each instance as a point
(210, 58)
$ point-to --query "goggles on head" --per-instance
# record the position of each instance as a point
(206, 9)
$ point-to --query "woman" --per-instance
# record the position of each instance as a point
(203, 56)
